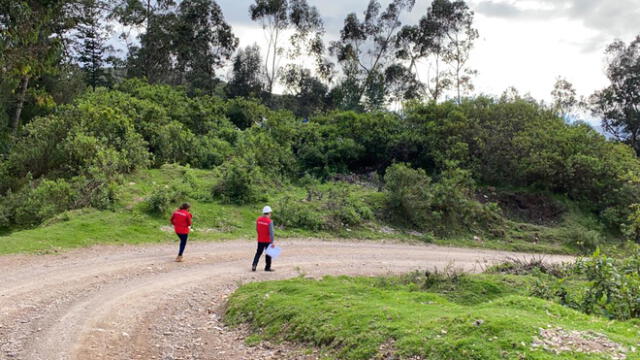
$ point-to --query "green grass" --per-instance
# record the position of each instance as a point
(351, 318)
(130, 222)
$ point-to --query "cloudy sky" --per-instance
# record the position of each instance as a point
(523, 43)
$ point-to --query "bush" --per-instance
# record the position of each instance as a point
(446, 206)
(5, 177)
(408, 199)
(66, 143)
(274, 158)
(528, 266)
(298, 214)
(584, 240)
(335, 209)
(345, 209)
(632, 227)
(245, 113)
(160, 200)
(613, 287)
(39, 201)
(454, 207)
(240, 182)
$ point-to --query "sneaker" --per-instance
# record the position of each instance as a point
(269, 270)
(253, 268)
(179, 259)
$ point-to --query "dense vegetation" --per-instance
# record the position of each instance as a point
(441, 169)
(78, 121)
(516, 310)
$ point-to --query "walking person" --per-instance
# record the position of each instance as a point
(181, 220)
(264, 228)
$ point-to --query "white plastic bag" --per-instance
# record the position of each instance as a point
(274, 252)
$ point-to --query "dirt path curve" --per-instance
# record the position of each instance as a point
(136, 303)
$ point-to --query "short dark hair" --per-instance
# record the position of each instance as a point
(185, 206)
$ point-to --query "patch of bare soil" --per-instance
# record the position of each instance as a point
(557, 340)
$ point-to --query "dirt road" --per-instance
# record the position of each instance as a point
(136, 303)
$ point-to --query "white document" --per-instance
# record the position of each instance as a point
(274, 252)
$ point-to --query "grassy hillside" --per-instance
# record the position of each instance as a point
(471, 317)
(134, 219)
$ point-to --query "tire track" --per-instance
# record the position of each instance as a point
(135, 303)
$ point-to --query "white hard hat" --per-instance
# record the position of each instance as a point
(266, 209)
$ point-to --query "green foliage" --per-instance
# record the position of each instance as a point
(338, 208)
(613, 286)
(585, 241)
(508, 143)
(240, 182)
(38, 202)
(408, 197)
(346, 209)
(446, 206)
(451, 318)
(246, 80)
(297, 214)
(73, 139)
(160, 200)
(632, 227)
(245, 113)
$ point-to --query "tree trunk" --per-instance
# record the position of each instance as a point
(22, 94)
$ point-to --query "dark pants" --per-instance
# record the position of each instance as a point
(261, 248)
(183, 242)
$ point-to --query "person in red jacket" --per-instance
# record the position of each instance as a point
(264, 228)
(181, 220)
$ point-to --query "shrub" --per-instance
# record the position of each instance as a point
(632, 227)
(95, 191)
(245, 113)
(298, 214)
(274, 158)
(209, 151)
(346, 209)
(5, 213)
(159, 202)
(584, 240)
(5, 177)
(239, 182)
(65, 143)
(39, 201)
(408, 199)
(334, 209)
(454, 207)
(527, 266)
(446, 206)
(613, 287)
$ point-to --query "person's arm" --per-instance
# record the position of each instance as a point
(190, 219)
(271, 232)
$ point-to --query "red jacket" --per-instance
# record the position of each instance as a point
(264, 227)
(181, 220)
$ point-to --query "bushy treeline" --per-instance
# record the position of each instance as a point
(431, 158)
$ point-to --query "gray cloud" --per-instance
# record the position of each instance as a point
(613, 19)
(499, 9)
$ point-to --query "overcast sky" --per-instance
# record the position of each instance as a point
(523, 43)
